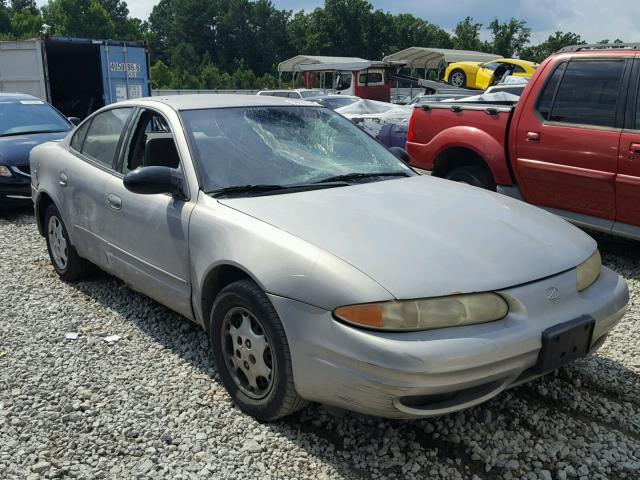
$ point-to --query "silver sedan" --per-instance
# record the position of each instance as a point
(321, 266)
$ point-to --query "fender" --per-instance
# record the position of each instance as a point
(470, 138)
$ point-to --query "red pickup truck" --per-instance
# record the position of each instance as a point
(571, 144)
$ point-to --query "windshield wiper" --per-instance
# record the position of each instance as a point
(268, 189)
(359, 176)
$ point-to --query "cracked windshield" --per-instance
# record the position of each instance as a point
(282, 146)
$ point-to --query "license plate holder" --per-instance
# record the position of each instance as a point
(564, 343)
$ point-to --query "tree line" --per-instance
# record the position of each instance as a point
(214, 44)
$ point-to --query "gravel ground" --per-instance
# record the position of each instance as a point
(151, 405)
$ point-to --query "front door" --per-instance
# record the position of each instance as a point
(567, 138)
(628, 179)
(485, 75)
(148, 234)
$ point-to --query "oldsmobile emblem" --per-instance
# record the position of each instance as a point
(551, 293)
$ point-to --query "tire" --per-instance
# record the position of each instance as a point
(251, 352)
(473, 175)
(65, 260)
(458, 78)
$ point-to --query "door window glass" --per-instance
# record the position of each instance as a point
(344, 81)
(638, 107)
(549, 91)
(104, 134)
(78, 137)
(151, 144)
(588, 93)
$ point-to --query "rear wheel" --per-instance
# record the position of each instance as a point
(64, 258)
(473, 175)
(458, 78)
(252, 353)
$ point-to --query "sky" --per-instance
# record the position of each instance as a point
(594, 20)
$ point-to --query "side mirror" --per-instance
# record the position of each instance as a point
(75, 120)
(400, 153)
(153, 180)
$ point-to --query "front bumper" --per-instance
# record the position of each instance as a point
(15, 190)
(419, 374)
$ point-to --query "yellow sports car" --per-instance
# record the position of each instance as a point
(481, 76)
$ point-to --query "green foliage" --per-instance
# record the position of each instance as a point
(509, 38)
(233, 44)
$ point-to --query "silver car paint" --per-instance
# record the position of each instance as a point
(314, 251)
(418, 240)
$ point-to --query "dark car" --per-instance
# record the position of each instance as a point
(25, 122)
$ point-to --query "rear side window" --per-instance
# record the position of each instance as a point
(78, 137)
(102, 138)
(588, 93)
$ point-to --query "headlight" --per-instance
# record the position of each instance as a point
(588, 271)
(5, 172)
(426, 314)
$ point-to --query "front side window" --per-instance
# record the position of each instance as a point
(344, 81)
(151, 144)
(588, 93)
(104, 134)
(493, 66)
(24, 117)
(281, 146)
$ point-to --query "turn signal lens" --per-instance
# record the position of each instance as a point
(426, 314)
(588, 271)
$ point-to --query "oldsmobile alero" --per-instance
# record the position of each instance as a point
(321, 267)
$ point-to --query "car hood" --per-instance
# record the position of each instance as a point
(425, 237)
(14, 150)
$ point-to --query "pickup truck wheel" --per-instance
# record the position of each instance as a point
(252, 353)
(458, 79)
(64, 258)
(472, 175)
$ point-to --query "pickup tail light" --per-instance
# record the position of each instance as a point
(411, 134)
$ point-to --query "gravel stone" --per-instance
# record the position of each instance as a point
(151, 405)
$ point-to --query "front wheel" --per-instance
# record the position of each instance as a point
(64, 258)
(473, 175)
(252, 353)
(458, 79)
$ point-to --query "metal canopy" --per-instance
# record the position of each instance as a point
(305, 63)
(423, 57)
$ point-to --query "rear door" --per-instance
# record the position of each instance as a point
(83, 180)
(125, 72)
(568, 135)
(628, 179)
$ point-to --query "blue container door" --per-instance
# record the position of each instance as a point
(125, 73)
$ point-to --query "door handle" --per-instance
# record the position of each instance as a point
(533, 137)
(115, 202)
(634, 148)
(62, 179)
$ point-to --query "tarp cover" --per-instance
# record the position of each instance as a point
(422, 57)
(372, 115)
(489, 97)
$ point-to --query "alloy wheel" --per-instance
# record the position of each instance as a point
(457, 79)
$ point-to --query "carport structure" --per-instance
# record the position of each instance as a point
(437, 58)
(325, 64)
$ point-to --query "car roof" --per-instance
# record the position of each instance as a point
(17, 96)
(202, 101)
